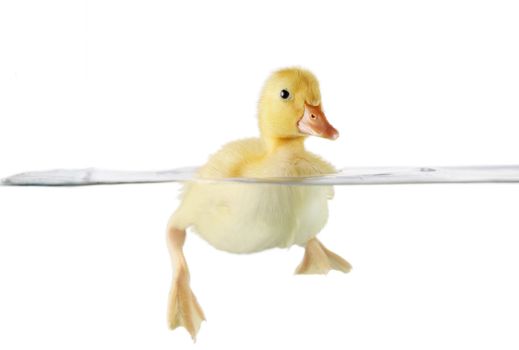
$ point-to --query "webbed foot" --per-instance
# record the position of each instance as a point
(319, 260)
(184, 310)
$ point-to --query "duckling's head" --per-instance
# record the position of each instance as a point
(290, 107)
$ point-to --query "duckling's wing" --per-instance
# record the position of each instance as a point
(232, 159)
(201, 200)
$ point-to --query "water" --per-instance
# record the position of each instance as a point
(346, 176)
(419, 254)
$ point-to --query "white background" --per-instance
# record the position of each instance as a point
(157, 85)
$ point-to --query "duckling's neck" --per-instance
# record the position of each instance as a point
(293, 144)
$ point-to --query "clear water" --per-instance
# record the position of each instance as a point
(346, 176)
(421, 254)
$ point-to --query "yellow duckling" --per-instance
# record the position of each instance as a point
(246, 218)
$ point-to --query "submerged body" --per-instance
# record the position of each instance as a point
(246, 218)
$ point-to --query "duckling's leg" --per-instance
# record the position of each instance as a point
(319, 260)
(183, 309)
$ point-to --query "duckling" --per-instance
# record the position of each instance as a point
(244, 218)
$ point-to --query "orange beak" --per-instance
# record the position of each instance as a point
(314, 123)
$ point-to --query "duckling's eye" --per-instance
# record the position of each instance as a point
(284, 94)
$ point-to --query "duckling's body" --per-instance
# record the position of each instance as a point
(246, 218)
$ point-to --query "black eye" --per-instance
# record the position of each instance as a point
(284, 94)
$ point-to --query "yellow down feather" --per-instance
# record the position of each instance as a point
(245, 218)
